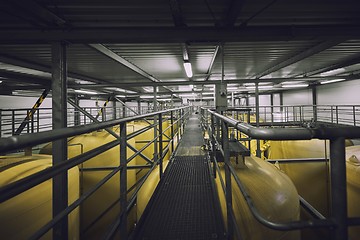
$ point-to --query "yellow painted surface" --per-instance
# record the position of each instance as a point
(273, 194)
(22, 215)
(110, 191)
(312, 179)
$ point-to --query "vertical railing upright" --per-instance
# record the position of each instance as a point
(13, 122)
(228, 192)
(123, 182)
(160, 145)
(213, 145)
(337, 114)
(172, 130)
(338, 188)
(0, 123)
(354, 115)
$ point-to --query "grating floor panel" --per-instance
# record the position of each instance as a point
(184, 204)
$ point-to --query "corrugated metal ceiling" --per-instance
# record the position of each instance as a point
(277, 39)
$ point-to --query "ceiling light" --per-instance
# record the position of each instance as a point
(295, 85)
(188, 69)
(121, 96)
(333, 72)
(332, 81)
(0, 81)
(147, 96)
(260, 87)
(86, 92)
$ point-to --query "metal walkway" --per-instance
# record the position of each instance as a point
(184, 205)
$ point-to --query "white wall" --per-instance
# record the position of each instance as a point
(10, 102)
(297, 97)
(340, 93)
(264, 100)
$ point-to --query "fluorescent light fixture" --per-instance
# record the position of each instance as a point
(86, 92)
(295, 85)
(121, 96)
(333, 72)
(188, 69)
(232, 88)
(332, 81)
(260, 87)
(0, 81)
(146, 96)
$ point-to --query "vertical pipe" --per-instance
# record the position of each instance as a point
(225, 141)
(258, 150)
(338, 188)
(123, 182)
(59, 147)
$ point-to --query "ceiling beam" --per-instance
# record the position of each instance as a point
(211, 82)
(288, 60)
(208, 73)
(34, 12)
(114, 56)
(178, 35)
(176, 13)
(345, 63)
(24, 78)
(232, 13)
(41, 67)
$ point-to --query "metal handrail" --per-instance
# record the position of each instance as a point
(28, 140)
(339, 220)
(299, 133)
(17, 142)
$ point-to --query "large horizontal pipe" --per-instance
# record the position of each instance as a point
(292, 133)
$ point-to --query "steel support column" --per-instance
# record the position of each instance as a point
(338, 188)
(314, 102)
(171, 129)
(76, 111)
(114, 108)
(59, 147)
(123, 182)
(225, 146)
(156, 156)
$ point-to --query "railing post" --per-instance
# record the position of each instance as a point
(354, 116)
(338, 188)
(213, 145)
(172, 130)
(337, 114)
(332, 114)
(225, 141)
(123, 182)
(160, 145)
(0, 123)
(13, 122)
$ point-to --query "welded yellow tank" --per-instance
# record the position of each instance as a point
(353, 186)
(144, 138)
(106, 195)
(24, 214)
(310, 178)
(273, 194)
(147, 190)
